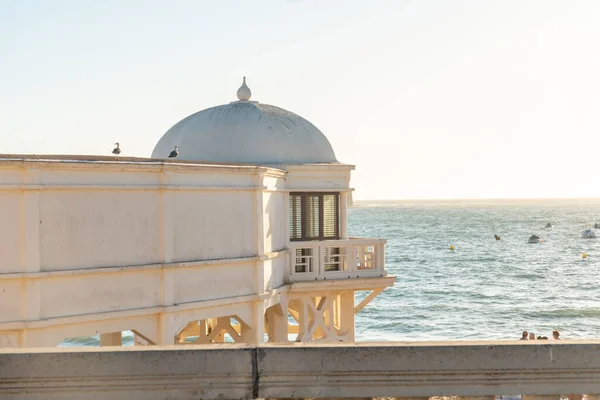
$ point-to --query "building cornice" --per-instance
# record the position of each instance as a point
(95, 163)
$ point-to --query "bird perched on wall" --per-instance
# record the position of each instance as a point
(175, 152)
(116, 150)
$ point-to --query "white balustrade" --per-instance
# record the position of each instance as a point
(336, 259)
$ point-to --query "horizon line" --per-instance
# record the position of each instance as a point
(477, 199)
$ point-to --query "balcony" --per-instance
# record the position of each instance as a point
(336, 259)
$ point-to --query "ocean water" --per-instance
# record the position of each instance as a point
(484, 289)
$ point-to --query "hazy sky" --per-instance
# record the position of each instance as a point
(429, 99)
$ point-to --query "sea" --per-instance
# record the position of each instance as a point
(484, 289)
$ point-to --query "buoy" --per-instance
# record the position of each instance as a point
(451, 247)
(584, 255)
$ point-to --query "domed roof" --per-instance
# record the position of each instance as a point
(246, 132)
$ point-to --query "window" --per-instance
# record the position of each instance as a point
(314, 216)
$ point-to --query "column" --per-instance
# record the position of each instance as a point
(285, 221)
(344, 215)
(165, 330)
(347, 313)
(166, 218)
(381, 256)
(303, 322)
(259, 215)
(30, 246)
(278, 324)
(254, 333)
(167, 283)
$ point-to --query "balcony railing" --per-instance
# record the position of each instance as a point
(336, 259)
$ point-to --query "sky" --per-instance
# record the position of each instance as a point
(428, 98)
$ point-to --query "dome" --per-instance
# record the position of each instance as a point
(246, 132)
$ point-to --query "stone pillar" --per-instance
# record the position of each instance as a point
(111, 339)
(254, 332)
(303, 319)
(166, 330)
(347, 313)
(278, 324)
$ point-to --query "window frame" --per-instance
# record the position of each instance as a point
(304, 216)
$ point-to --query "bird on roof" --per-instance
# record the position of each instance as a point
(174, 153)
(116, 150)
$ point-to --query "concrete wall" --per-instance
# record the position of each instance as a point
(471, 369)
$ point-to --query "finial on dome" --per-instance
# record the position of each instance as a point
(244, 92)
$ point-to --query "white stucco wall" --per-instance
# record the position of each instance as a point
(81, 294)
(275, 221)
(274, 272)
(211, 225)
(85, 215)
(10, 300)
(98, 228)
(85, 245)
(10, 231)
(213, 282)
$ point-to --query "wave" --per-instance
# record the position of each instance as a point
(566, 313)
(529, 276)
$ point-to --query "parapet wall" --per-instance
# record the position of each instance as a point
(472, 369)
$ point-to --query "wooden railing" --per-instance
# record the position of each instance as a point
(336, 259)
(479, 370)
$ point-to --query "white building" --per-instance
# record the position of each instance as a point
(245, 229)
